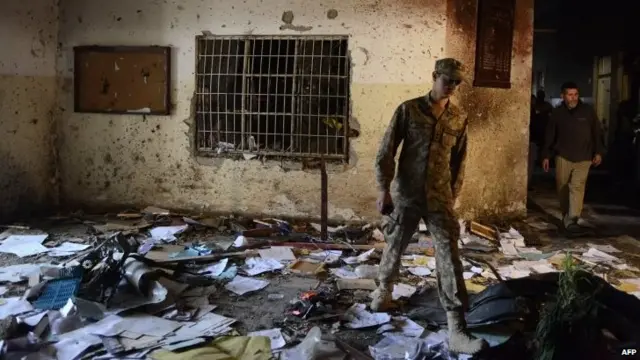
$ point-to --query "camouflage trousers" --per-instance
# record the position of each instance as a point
(399, 228)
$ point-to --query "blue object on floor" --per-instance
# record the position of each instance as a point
(56, 293)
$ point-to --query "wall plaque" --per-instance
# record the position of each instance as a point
(494, 43)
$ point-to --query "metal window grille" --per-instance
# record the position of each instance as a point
(273, 96)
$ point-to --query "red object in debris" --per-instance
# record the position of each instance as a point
(308, 295)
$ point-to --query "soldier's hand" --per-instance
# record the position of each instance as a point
(384, 203)
(545, 165)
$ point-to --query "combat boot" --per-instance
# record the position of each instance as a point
(460, 341)
(381, 297)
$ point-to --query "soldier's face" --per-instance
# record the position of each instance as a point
(445, 85)
(571, 97)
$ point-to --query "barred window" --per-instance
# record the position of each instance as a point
(273, 96)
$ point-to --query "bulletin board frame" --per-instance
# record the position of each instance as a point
(131, 80)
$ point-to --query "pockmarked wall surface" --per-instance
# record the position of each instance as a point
(108, 160)
(28, 38)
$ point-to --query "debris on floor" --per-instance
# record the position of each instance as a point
(153, 284)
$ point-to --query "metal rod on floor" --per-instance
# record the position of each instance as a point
(324, 199)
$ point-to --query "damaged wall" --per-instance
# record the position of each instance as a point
(131, 160)
(496, 182)
(28, 37)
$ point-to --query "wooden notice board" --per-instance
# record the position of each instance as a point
(494, 43)
(122, 80)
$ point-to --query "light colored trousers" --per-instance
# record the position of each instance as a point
(571, 181)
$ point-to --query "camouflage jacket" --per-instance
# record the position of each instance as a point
(431, 164)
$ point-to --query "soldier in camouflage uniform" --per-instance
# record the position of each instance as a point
(433, 133)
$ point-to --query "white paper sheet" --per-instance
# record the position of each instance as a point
(513, 234)
(360, 258)
(402, 290)
(605, 248)
(241, 285)
(401, 325)
(597, 256)
(510, 272)
(240, 241)
(278, 253)
(23, 249)
(327, 256)
(255, 266)
(420, 271)
(3, 290)
(275, 335)
(508, 247)
(468, 275)
(358, 317)
(22, 239)
(209, 325)
(344, 273)
(34, 320)
(67, 249)
(148, 325)
(70, 348)
(216, 269)
(167, 233)
(13, 306)
(108, 326)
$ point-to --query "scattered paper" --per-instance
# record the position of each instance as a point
(402, 326)
(358, 317)
(508, 247)
(34, 320)
(513, 234)
(343, 273)
(167, 233)
(402, 290)
(275, 335)
(597, 256)
(241, 285)
(604, 248)
(477, 269)
(420, 271)
(360, 258)
(71, 347)
(216, 269)
(148, 325)
(209, 325)
(327, 256)
(23, 249)
(3, 290)
(279, 253)
(240, 241)
(255, 266)
(510, 272)
(13, 306)
(67, 249)
(23, 239)
(468, 275)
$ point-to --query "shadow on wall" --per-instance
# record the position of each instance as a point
(19, 196)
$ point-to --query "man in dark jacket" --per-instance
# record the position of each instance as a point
(574, 135)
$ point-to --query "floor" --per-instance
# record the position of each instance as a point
(270, 308)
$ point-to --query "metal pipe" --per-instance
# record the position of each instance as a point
(324, 199)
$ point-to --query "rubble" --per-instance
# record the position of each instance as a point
(159, 285)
